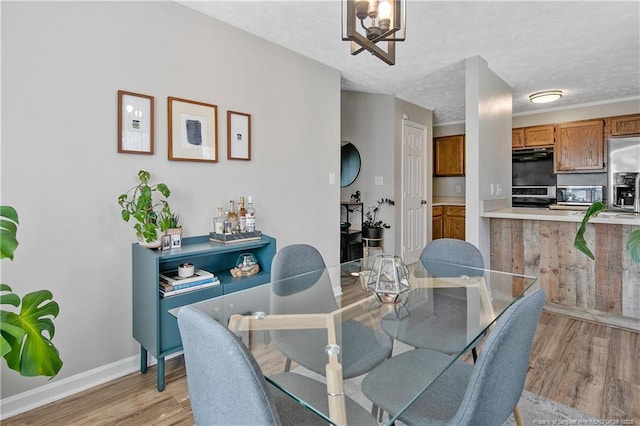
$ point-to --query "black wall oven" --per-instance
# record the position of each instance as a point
(533, 179)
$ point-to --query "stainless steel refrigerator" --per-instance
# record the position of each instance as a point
(623, 167)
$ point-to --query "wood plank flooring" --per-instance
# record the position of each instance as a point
(591, 367)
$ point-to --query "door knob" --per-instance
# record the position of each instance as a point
(423, 202)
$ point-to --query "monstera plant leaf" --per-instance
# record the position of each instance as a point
(31, 352)
(25, 338)
(8, 229)
(8, 333)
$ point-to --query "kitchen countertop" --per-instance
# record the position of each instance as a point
(448, 201)
(614, 218)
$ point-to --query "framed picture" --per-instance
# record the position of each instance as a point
(166, 242)
(176, 241)
(135, 123)
(193, 131)
(238, 136)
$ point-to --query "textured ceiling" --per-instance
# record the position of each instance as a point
(588, 49)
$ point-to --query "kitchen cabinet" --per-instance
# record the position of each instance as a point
(517, 138)
(533, 137)
(579, 146)
(155, 329)
(437, 221)
(454, 222)
(448, 154)
(622, 126)
(448, 222)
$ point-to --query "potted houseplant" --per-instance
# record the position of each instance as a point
(633, 241)
(172, 220)
(145, 203)
(25, 337)
(372, 226)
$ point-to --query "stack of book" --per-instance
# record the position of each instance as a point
(171, 283)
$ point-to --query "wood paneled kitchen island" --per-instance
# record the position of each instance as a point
(540, 242)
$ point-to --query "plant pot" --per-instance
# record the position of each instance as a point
(373, 234)
(172, 231)
(153, 244)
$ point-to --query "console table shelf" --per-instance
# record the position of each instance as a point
(153, 326)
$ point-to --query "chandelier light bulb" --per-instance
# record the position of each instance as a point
(384, 10)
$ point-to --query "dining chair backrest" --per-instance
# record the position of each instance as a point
(498, 377)
(225, 384)
(450, 250)
(300, 282)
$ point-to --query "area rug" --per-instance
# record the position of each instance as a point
(535, 409)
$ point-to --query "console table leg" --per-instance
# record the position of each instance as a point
(160, 374)
(143, 360)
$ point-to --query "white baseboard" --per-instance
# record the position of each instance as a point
(51, 392)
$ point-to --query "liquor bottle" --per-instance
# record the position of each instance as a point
(233, 216)
(251, 215)
(218, 222)
(227, 224)
(242, 215)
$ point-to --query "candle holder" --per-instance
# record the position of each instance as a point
(389, 278)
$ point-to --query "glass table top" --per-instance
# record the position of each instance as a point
(336, 324)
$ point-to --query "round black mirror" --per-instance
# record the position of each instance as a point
(349, 163)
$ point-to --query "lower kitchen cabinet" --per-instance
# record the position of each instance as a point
(448, 222)
(437, 223)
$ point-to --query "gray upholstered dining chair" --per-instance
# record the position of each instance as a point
(481, 394)
(301, 284)
(226, 386)
(446, 310)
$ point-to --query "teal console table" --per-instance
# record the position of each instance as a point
(153, 326)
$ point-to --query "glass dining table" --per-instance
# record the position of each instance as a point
(337, 324)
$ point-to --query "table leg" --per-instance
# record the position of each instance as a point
(518, 416)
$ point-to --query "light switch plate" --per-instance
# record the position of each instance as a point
(379, 181)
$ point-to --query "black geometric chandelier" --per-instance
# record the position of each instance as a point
(369, 25)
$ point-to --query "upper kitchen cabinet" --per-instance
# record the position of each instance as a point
(532, 137)
(579, 146)
(448, 154)
(622, 126)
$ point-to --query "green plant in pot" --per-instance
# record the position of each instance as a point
(147, 204)
(372, 226)
(633, 241)
(25, 337)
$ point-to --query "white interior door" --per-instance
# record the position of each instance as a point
(414, 190)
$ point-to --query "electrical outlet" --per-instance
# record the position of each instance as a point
(458, 189)
(379, 181)
(332, 178)
(493, 189)
(498, 189)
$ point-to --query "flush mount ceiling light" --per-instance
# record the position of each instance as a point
(545, 96)
(367, 23)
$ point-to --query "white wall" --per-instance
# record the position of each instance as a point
(62, 65)
(367, 122)
(373, 123)
(488, 147)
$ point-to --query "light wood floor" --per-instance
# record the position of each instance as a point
(591, 367)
